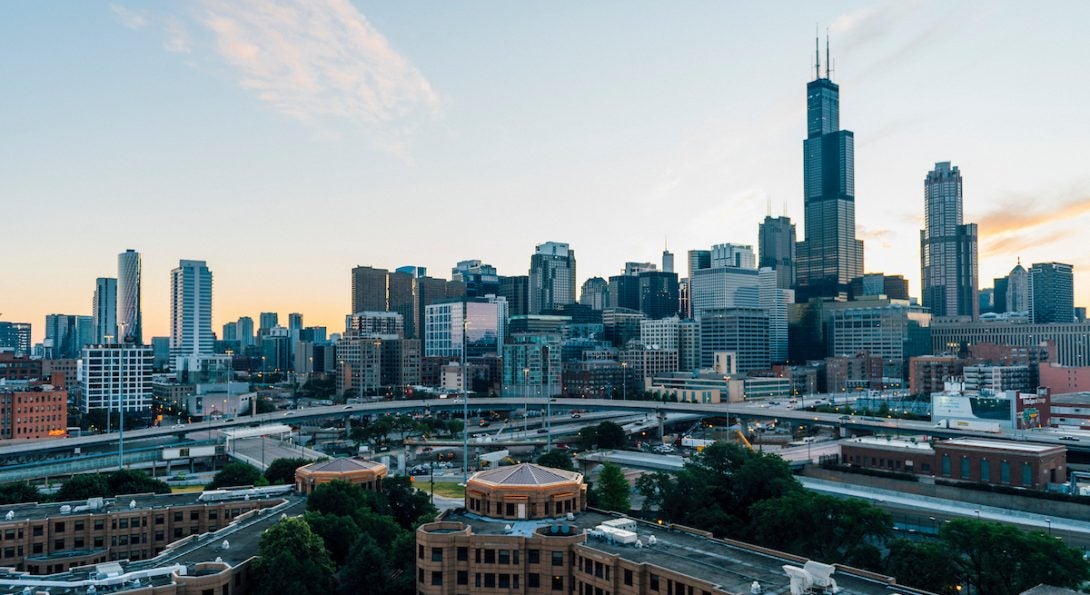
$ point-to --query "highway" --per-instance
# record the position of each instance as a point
(751, 410)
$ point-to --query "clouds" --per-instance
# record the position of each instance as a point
(320, 61)
(1024, 222)
(317, 61)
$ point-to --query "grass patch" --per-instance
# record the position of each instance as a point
(186, 489)
(447, 489)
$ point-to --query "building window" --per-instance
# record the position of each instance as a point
(985, 470)
(436, 554)
(463, 554)
(505, 556)
(533, 581)
(1027, 475)
(490, 580)
(194, 515)
(420, 551)
(558, 558)
(654, 583)
(1005, 473)
(99, 525)
(58, 544)
(490, 556)
(463, 577)
(558, 583)
(965, 467)
(533, 556)
(58, 527)
(78, 526)
(505, 581)
(628, 577)
(436, 577)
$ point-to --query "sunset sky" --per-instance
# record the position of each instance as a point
(286, 142)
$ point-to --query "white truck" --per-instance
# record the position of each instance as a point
(969, 425)
(697, 443)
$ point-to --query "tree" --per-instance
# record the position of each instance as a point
(408, 507)
(338, 498)
(1004, 560)
(338, 533)
(923, 565)
(19, 492)
(237, 474)
(611, 435)
(455, 426)
(613, 491)
(84, 486)
(127, 481)
(557, 459)
(282, 471)
(377, 570)
(292, 559)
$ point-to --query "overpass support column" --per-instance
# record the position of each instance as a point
(662, 425)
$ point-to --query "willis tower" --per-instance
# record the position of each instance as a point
(830, 256)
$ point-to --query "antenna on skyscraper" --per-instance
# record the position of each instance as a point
(817, 53)
(827, 60)
(769, 201)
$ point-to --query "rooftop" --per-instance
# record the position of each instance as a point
(344, 465)
(899, 443)
(1081, 398)
(731, 565)
(526, 474)
(136, 502)
(1030, 447)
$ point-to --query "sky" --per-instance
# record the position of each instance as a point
(286, 142)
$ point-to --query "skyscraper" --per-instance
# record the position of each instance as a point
(368, 289)
(130, 320)
(658, 294)
(595, 293)
(480, 279)
(190, 309)
(67, 334)
(830, 256)
(104, 310)
(295, 321)
(516, 290)
(777, 250)
(1052, 292)
(667, 261)
(948, 248)
(1018, 299)
(266, 322)
(15, 336)
(246, 331)
(552, 277)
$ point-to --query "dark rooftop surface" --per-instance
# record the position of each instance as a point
(732, 567)
(32, 511)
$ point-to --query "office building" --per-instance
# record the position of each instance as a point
(116, 376)
(385, 325)
(190, 309)
(733, 255)
(688, 349)
(641, 363)
(1052, 292)
(664, 333)
(894, 287)
(893, 330)
(230, 332)
(667, 261)
(35, 410)
(776, 302)
(516, 290)
(15, 336)
(1018, 290)
(130, 319)
(928, 373)
(995, 379)
(777, 249)
(948, 247)
(593, 379)
(699, 260)
(621, 325)
(267, 321)
(658, 294)
(246, 331)
(359, 366)
(295, 322)
(999, 295)
(552, 277)
(368, 289)
(986, 300)
(479, 324)
(67, 334)
(104, 310)
(624, 292)
(400, 364)
(741, 331)
(532, 366)
(830, 256)
(723, 287)
(275, 348)
(20, 367)
(595, 293)
(480, 279)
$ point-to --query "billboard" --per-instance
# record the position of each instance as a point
(997, 409)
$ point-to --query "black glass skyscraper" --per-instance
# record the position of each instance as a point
(830, 256)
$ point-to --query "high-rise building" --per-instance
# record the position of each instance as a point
(1018, 290)
(741, 331)
(130, 320)
(104, 310)
(295, 322)
(948, 248)
(552, 277)
(667, 261)
(516, 290)
(733, 255)
(723, 287)
(15, 336)
(699, 259)
(114, 377)
(368, 289)
(246, 331)
(893, 330)
(230, 332)
(776, 246)
(532, 366)
(879, 284)
(67, 334)
(266, 322)
(830, 256)
(483, 321)
(359, 366)
(624, 292)
(190, 309)
(384, 325)
(658, 294)
(775, 301)
(595, 293)
(480, 279)
(1052, 292)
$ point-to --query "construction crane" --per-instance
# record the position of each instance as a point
(742, 437)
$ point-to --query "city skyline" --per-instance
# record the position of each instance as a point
(183, 164)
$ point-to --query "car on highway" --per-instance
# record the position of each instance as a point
(576, 416)
(1069, 438)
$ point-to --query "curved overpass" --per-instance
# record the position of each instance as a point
(747, 410)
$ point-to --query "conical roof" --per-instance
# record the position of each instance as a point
(526, 474)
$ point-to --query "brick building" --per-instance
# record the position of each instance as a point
(19, 367)
(354, 470)
(927, 373)
(34, 411)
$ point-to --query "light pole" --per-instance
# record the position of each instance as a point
(1049, 521)
(624, 381)
(465, 402)
(121, 403)
(109, 393)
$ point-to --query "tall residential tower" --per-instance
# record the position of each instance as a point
(190, 309)
(129, 319)
(552, 277)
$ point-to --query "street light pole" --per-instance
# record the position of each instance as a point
(465, 402)
(121, 405)
(624, 381)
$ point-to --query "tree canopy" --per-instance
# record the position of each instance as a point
(612, 491)
(557, 459)
(84, 486)
(292, 559)
(604, 435)
(237, 474)
(129, 481)
(19, 492)
(282, 471)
